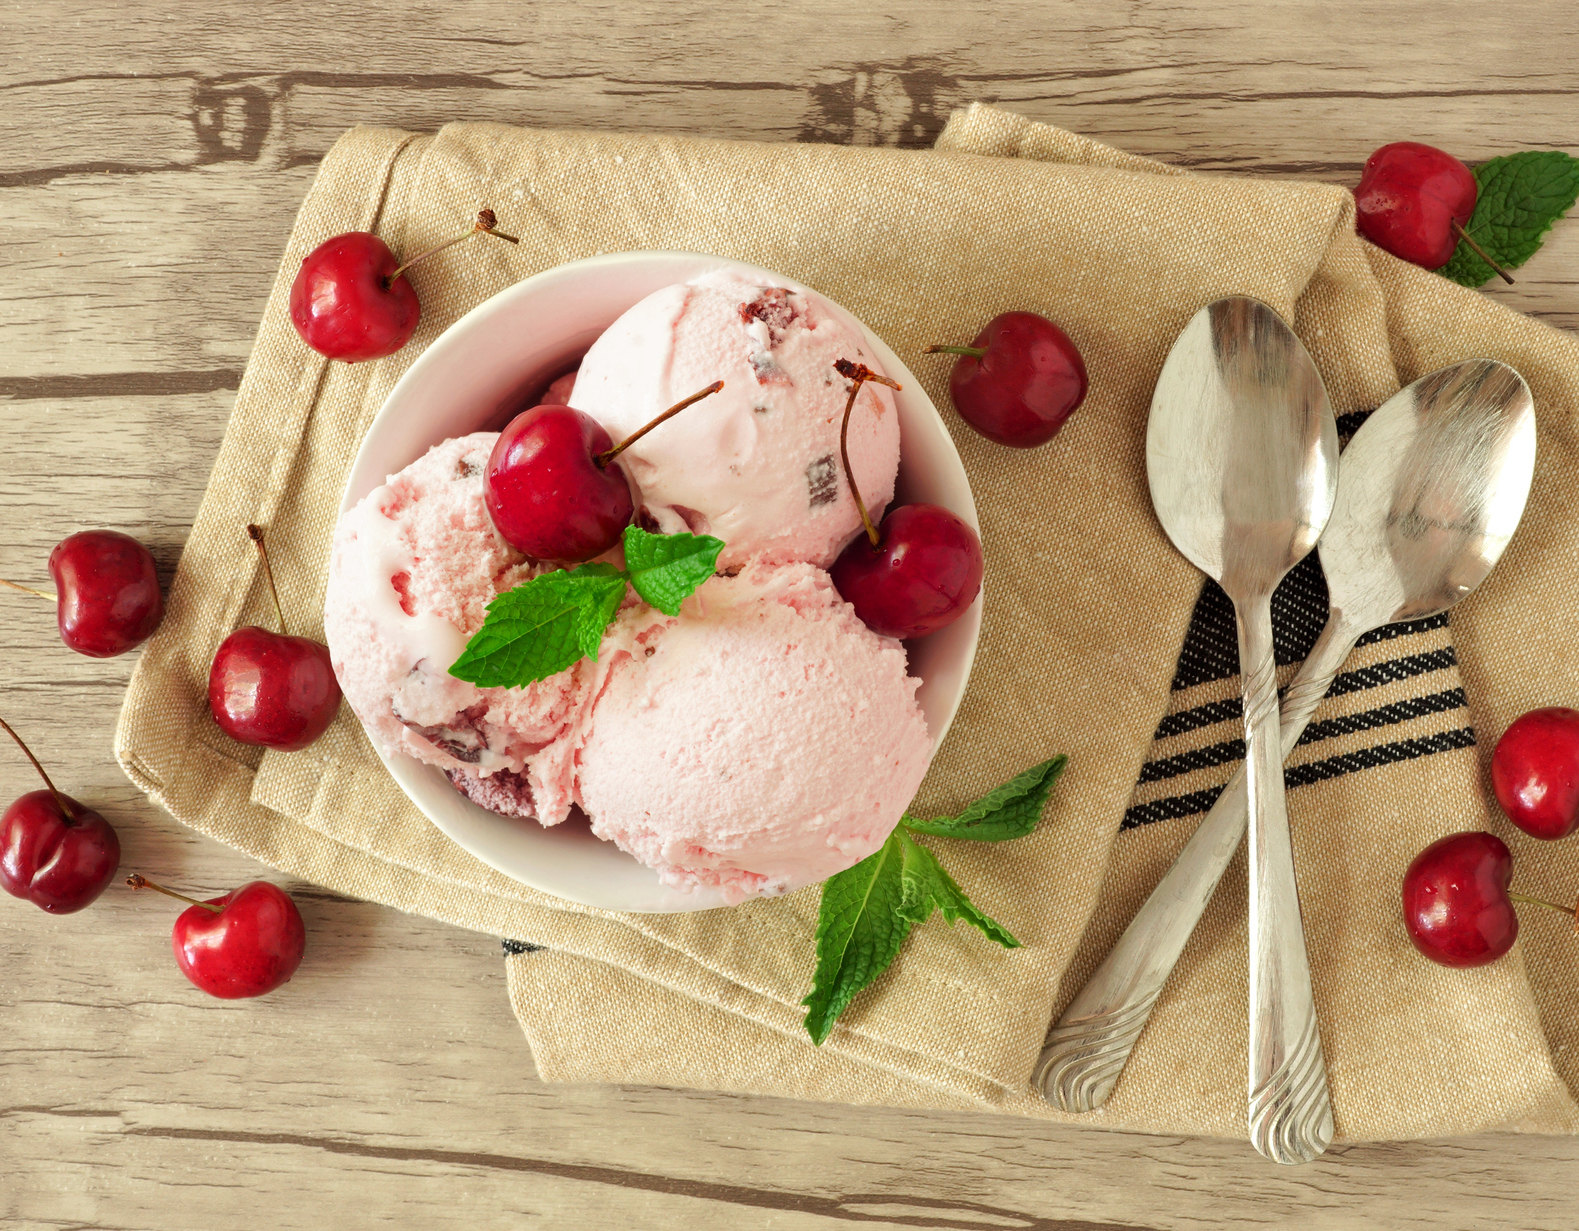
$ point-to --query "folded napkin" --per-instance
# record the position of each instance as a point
(1080, 652)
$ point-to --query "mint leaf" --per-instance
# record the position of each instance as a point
(666, 569)
(1521, 196)
(1009, 811)
(859, 930)
(542, 626)
(926, 886)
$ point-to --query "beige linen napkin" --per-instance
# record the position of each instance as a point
(1088, 608)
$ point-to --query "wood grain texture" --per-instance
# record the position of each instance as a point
(151, 160)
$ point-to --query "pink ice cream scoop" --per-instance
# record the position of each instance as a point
(765, 740)
(414, 566)
(756, 464)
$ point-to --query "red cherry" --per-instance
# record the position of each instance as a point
(545, 491)
(53, 851)
(345, 302)
(350, 300)
(550, 485)
(246, 943)
(1409, 198)
(1456, 903)
(1535, 772)
(269, 689)
(272, 689)
(923, 574)
(1018, 381)
(109, 600)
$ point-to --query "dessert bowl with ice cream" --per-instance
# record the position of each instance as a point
(759, 739)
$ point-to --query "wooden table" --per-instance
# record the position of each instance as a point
(151, 160)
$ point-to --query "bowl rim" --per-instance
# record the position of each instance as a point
(427, 786)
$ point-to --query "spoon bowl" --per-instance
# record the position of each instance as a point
(1242, 464)
(1430, 491)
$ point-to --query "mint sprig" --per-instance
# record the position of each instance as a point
(867, 911)
(555, 619)
(1005, 812)
(665, 569)
(1521, 196)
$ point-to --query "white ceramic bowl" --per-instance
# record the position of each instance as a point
(469, 379)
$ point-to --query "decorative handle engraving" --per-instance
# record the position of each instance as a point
(1088, 1047)
(1084, 1056)
(1291, 1114)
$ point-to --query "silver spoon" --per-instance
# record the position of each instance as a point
(1430, 490)
(1242, 458)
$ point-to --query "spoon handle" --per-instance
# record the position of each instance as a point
(1290, 1112)
(1087, 1048)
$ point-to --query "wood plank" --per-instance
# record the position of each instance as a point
(150, 166)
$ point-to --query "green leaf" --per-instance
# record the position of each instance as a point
(1009, 811)
(926, 885)
(1521, 196)
(542, 626)
(859, 930)
(666, 569)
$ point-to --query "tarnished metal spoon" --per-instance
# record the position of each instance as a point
(1430, 491)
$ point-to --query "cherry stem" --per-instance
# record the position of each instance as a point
(255, 533)
(485, 225)
(142, 882)
(1524, 897)
(860, 374)
(30, 590)
(1501, 272)
(601, 460)
(975, 352)
(60, 800)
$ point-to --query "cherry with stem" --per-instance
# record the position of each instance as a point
(272, 689)
(550, 485)
(920, 569)
(54, 852)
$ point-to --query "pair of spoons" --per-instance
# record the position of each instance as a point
(1242, 460)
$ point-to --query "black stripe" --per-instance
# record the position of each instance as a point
(1194, 759)
(1224, 751)
(1389, 672)
(1199, 716)
(1380, 754)
(1168, 809)
(1407, 628)
(1392, 671)
(1383, 716)
(1197, 802)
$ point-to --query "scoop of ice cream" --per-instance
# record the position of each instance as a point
(414, 567)
(756, 464)
(765, 740)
